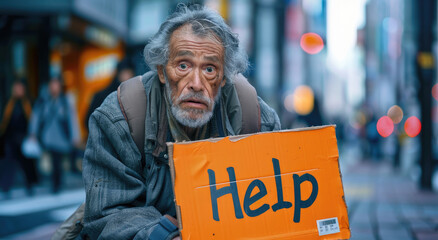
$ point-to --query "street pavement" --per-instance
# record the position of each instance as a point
(383, 204)
(36, 217)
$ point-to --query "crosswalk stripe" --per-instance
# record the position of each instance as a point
(41, 203)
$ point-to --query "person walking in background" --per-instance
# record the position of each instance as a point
(55, 126)
(373, 138)
(13, 130)
(125, 71)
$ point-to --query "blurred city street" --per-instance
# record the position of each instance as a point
(385, 205)
(37, 216)
(366, 66)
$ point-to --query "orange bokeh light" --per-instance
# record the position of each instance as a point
(303, 100)
(289, 103)
(395, 113)
(412, 126)
(435, 91)
(385, 126)
(311, 43)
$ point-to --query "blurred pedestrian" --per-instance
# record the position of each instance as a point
(13, 130)
(55, 126)
(125, 71)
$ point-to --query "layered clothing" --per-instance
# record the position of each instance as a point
(126, 196)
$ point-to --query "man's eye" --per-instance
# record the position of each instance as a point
(209, 69)
(183, 66)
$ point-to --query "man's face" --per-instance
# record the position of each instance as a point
(194, 75)
(18, 90)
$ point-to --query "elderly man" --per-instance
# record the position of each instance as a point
(194, 57)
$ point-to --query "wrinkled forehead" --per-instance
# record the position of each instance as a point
(195, 31)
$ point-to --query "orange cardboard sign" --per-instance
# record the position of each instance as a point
(277, 185)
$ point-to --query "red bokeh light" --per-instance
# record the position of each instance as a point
(412, 126)
(311, 43)
(385, 126)
(435, 91)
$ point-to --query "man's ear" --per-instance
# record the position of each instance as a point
(223, 82)
(160, 70)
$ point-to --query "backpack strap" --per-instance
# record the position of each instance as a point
(132, 100)
(251, 120)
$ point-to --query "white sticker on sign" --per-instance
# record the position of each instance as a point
(328, 226)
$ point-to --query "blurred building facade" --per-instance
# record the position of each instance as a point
(80, 40)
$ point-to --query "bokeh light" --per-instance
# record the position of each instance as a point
(435, 91)
(412, 126)
(385, 126)
(289, 102)
(311, 43)
(303, 100)
(395, 113)
(359, 120)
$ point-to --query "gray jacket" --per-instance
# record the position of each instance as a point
(125, 200)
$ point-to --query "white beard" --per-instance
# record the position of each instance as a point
(183, 116)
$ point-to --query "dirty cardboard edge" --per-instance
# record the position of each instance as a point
(344, 200)
(172, 175)
(343, 189)
(236, 138)
(341, 178)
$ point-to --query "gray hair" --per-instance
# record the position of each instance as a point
(204, 22)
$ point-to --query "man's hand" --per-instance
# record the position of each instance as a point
(172, 220)
(175, 222)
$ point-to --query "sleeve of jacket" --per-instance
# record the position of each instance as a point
(269, 118)
(115, 190)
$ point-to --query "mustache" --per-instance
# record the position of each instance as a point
(198, 96)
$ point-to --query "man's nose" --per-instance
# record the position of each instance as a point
(196, 82)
